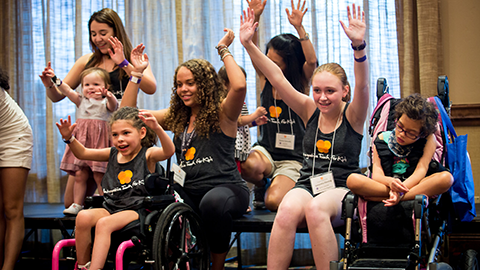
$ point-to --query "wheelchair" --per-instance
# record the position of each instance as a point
(409, 235)
(168, 234)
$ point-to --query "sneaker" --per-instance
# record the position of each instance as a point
(86, 267)
(259, 197)
(73, 209)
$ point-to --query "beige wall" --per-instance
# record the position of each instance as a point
(461, 51)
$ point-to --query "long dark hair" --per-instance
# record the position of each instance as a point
(290, 49)
(110, 17)
(4, 80)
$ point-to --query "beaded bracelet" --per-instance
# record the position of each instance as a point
(225, 55)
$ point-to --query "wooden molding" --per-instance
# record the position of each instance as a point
(465, 114)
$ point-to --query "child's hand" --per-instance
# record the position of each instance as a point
(66, 128)
(106, 93)
(117, 54)
(260, 111)
(356, 26)
(257, 6)
(47, 75)
(395, 198)
(148, 118)
(296, 17)
(262, 120)
(247, 26)
(138, 58)
(397, 186)
(228, 38)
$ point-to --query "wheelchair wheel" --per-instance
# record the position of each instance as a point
(469, 260)
(179, 242)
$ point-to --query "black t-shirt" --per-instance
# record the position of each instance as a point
(283, 123)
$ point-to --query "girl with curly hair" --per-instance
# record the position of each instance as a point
(203, 118)
(401, 158)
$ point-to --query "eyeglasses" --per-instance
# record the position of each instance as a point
(408, 134)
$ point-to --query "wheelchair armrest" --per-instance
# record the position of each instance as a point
(350, 202)
(419, 205)
(93, 202)
(158, 201)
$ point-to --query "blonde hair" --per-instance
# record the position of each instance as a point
(98, 71)
(339, 72)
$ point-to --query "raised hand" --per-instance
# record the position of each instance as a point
(66, 128)
(296, 17)
(228, 38)
(356, 25)
(258, 6)
(247, 26)
(148, 118)
(116, 52)
(138, 58)
(47, 75)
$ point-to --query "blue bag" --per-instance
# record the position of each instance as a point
(458, 161)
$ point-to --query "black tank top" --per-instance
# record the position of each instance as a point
(270, 129)
(118, 87)
(208, 162)
(347, 146)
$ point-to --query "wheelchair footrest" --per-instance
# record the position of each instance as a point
(390, 264)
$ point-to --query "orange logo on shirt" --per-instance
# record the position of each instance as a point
(190, 153)
(275, 111)
(125, 177)
(323, 146)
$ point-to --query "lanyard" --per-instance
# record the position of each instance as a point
(289, 115)
(333, 141)
(187, 141)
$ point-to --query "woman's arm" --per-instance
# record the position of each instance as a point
(148, 83)
(141, 63)
(233, 103)
(300, 103)
(258, 6)
(296, 19)
(423, 164)
(66, 129)
(357, 111)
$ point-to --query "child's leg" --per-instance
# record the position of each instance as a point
(80, 186)
(84, 223)
(98, 179)
(103, 232)
(434, 184)
(367, 187)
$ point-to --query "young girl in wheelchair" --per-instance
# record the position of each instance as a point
(402, 164)
(134, 156)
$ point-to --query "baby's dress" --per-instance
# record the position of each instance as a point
(242, 143)
(92, 131)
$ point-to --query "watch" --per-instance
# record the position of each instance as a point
(359, 47)
(69, 140)
(56, 81)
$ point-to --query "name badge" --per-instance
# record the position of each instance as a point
(322, 182)
(285, 141)
(179, 174)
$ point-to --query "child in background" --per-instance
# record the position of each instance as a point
(245, 121)
(94, 106)
(130, 160)
(401, 158)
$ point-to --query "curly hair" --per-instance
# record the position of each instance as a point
(418, 108)
(4, 80)
(131, 114)
(109, 17)
(339, 72)
(209, 96)
(290, 49)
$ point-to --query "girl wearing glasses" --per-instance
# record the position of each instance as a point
(402, 164)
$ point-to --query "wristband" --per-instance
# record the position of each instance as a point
(359, 47)
(361, 59)
(123, 64)
(69, 140)
(56, 81)
(135, 79)
(307, 37)
(254, 124)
